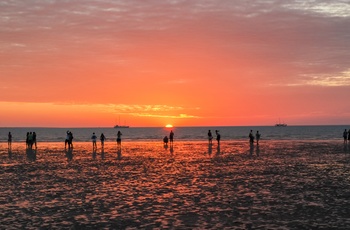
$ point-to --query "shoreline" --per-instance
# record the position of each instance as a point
(182, 141)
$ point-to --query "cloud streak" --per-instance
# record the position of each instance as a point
(140, 57)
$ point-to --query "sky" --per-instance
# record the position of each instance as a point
(97, 63)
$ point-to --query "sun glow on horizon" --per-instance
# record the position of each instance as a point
(168, 126)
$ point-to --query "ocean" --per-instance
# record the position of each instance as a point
(228, 133)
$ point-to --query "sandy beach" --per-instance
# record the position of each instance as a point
(278, 185)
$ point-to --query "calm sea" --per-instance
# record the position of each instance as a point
(332, 132)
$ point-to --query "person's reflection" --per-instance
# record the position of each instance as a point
(119, 153)
(171, 149)
(346, 147)
(31, 154)
(94, 153)
(10, 153)
(218, 150)
(103, 153)
(210, 149)
(251, 149)
(69, 154)
(258, 150)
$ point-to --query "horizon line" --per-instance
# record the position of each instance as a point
(199, 126)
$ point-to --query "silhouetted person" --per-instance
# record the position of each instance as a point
(210, 137)
(102, 139)
(165, 140)
(27, 140)
(119, 138)
(70, 140)
(94, 138)
(34, 139)
(218, 136)
(349, 135)
(66, 141)
(251, 137)
(30, 140)
(9, 140)
(257, 136)
(345, 136)
(171, 137)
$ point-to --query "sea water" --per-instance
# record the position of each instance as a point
(228, 133)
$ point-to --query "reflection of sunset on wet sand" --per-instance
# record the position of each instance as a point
(280, 184)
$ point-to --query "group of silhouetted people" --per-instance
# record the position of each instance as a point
(31, 140)
(103, 138)
(251, 137)
(210, 137)
(69, 140)
(171, 138)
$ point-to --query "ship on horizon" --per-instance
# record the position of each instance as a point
(121, 126)
(279, 124)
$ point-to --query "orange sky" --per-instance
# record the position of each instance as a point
(187, 63)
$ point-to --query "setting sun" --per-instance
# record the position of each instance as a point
(169, 126)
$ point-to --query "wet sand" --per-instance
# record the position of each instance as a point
(280, 184)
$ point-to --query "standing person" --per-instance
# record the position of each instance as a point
(70, 140)
(257, 136)
(251, 137)
(30, 140)
(102, 138)
(9, 140)
(34, 139)
(119, 138)
(171, 137)
(27, 140)
(94, 138)
(66, 141)
(218, 136)
(210, 137)
(345, 136)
